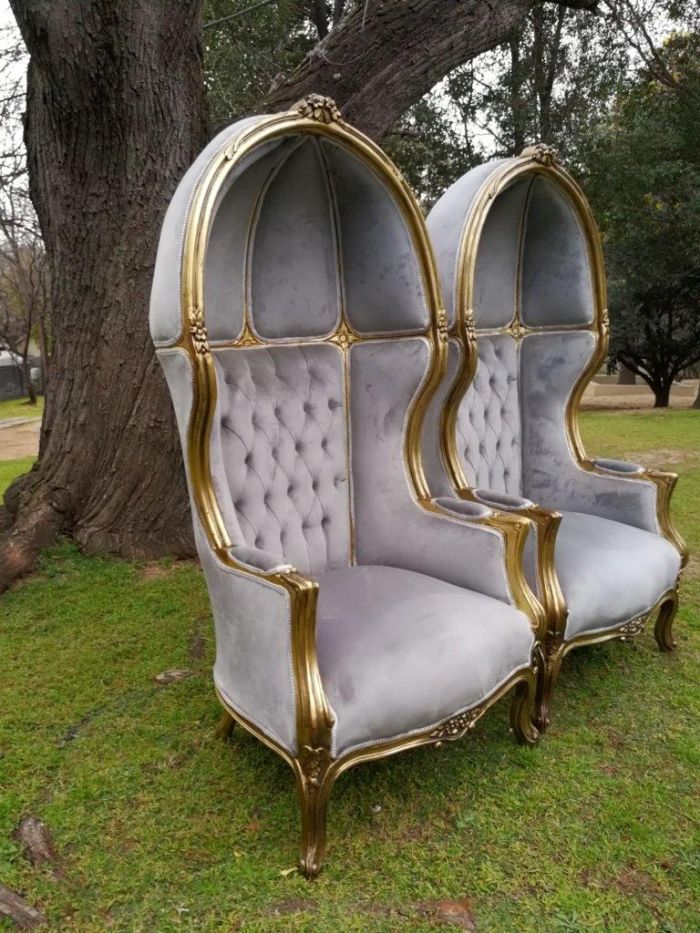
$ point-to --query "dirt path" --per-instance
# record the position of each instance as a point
(19, 438)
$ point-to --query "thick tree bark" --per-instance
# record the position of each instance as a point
(115, 114)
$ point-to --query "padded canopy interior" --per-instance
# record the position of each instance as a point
(533, 252)
(305, 229)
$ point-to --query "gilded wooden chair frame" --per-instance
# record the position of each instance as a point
(541, 160)
(314, 766)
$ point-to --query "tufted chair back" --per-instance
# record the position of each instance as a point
(521, 272)
(311, 272)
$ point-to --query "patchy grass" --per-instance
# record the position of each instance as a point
(20, 408)
(159, 827)
(11, 469)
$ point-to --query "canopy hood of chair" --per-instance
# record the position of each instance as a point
(305, 224)
(516, 243)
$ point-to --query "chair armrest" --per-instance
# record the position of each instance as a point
(621, 467)
(539, 549)
(259, 561)
(499, 500)
(631, 494)
(513, 532)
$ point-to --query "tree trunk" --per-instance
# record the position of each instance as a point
(626, 377)
(662, 395)
(115, 115)
(696, 403)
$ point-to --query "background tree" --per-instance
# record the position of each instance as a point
(644, 182)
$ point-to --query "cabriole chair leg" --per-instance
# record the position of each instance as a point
(314, 783)
(522, 712)
(663, 630)
(547, 676)
(225, 726)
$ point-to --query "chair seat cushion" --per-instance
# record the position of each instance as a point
(610, 572)
(400, 651)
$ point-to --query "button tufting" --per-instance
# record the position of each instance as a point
(324, 443)
(307, 407)
(325, 521)
(298, 447)
(258, 542)
(248, 459)
(333, 404)
(314, 485)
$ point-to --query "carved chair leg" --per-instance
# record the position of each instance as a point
(547, 676)
(314, 783)
(663, 630)
(522, 712)
(225, 726)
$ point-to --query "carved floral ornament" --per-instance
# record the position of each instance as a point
(319, 108)
(198, 331)
(633, 627)
(542, 153)
(458, 725)
(443, 329)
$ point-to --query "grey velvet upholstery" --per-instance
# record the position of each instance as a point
(489, 432)
(400, 651)
(306, 451)
(532, 268)
(283, 449)
(610, 572)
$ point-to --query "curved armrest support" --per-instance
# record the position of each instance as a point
(546, 522)
(637, 479)
(513, 531)
(266, 665)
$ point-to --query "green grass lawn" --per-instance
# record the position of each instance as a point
(158, 826)
(20, 408)
(10, 469)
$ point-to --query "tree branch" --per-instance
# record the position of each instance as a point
(382, 57)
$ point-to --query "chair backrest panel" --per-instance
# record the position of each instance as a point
(282, 415)
(523, 259)
(489, 431)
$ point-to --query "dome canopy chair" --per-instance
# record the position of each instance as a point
(522, 274)
(295, 312)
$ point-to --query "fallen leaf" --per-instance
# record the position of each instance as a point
(172, 677)
(288, 871)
